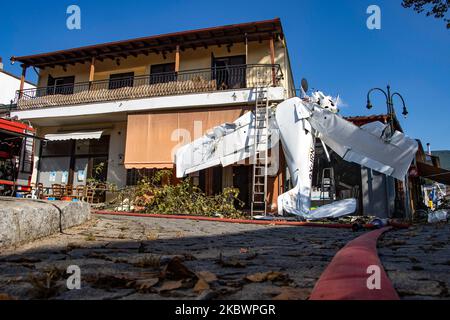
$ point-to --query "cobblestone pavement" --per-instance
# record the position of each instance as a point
(146, 258)
(417, 261)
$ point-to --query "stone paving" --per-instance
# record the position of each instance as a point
(147, 258)
(417, 261)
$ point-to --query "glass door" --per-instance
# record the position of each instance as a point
(230, 72)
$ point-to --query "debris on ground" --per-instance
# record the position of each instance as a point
(437, 216)
(212, 260)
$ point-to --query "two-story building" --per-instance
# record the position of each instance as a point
(129, 104)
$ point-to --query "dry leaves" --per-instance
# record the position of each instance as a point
(204, 280)
(201, 286)
(266, 276)
(176, 270)
(288, 293)
(171, 285)
(146, 284)
(176, 276)
(207, 276)
(148, 261)
(45, 285)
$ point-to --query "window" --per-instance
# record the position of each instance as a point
(74, 161)
(92, 146)
(62, 85)
(135, 175)
(162, 73)
(121, 80)
(56, 148)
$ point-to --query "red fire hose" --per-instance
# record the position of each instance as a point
(243, 221)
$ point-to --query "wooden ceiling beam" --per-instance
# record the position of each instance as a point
(154, 45)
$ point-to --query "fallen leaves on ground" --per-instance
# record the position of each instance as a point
(201, 285)
(207, 276)
(149, 261)
(171, 285)
(266, 276)
(146, 284)
(288, 293)
(176, 275)
(45, 286)
(176, 270)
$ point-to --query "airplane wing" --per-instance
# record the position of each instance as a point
(226, 144)
(365, 145)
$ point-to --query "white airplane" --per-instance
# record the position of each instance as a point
(297, 123)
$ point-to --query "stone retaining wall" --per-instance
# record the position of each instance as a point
(23, 220)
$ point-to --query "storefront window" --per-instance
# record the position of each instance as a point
(56, 148)
(74, 161)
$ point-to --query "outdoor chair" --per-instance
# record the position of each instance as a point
(90, 195)
(57, 191)
(80, 193)
(68, 191)
(39, 191)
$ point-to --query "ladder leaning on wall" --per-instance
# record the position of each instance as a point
(261, 155)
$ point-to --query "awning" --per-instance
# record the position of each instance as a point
(74, 136)
(153, 138)
(434, 173)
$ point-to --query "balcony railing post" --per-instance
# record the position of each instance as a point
(91, 73)
(22, 80)
(272, 61)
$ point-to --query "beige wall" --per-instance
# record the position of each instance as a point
(259, 53)
(153, 138)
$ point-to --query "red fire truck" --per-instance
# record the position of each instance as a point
(17, 142)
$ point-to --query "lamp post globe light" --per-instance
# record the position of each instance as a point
(389, 103)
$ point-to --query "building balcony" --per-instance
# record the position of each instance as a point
(153, 85)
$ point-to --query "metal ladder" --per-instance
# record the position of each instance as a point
(261, 156)
(328, 184)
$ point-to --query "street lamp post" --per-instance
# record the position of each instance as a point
(389, 103)
(392, 116)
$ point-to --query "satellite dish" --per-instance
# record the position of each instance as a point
(305, 85)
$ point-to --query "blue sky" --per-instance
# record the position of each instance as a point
(328, 41)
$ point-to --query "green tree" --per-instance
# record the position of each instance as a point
(435, 8)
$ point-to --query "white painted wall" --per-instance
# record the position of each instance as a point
(197, 100)
(8, 87)
(117, 173)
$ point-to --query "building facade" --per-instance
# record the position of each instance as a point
(118, 111)
(9, 84)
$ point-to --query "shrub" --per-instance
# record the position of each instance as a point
(158, 195)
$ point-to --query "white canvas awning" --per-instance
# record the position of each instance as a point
(74, 136)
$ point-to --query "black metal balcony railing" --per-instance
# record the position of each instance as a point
(161, 84)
